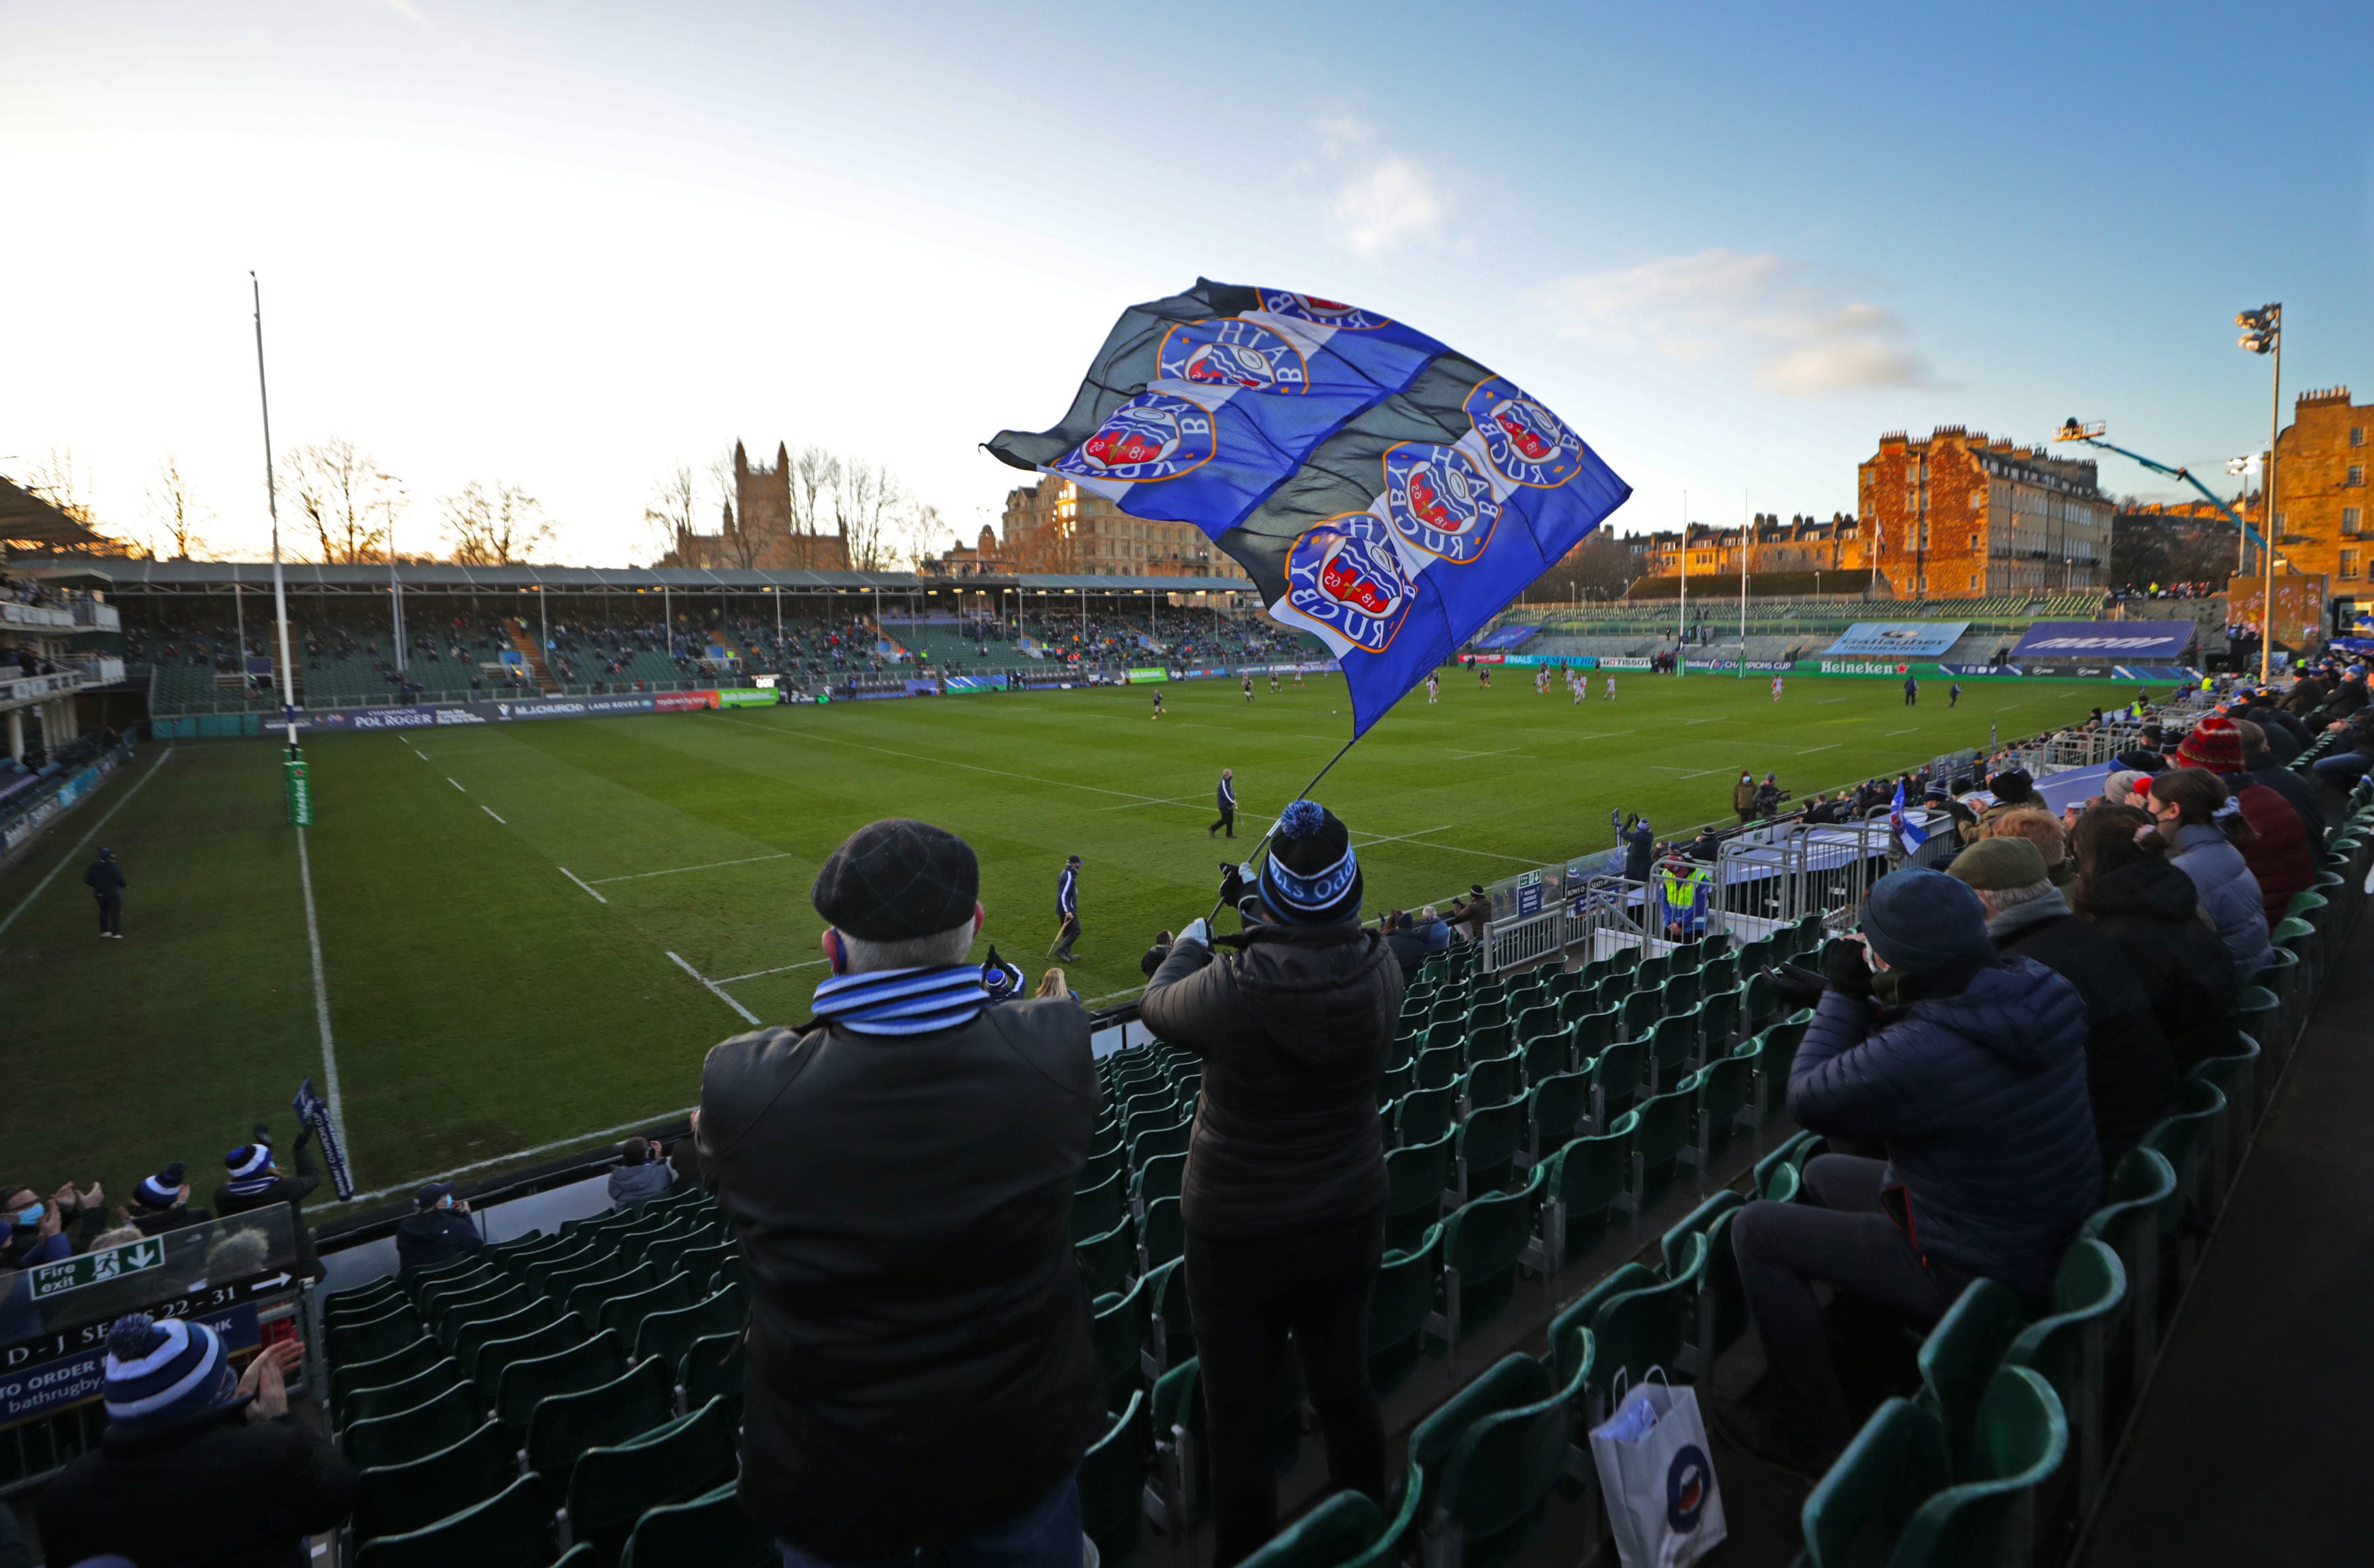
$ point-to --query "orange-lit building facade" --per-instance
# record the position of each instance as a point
(1799, 545)
(1056, 526)
(1954, 514)
(2322, 459)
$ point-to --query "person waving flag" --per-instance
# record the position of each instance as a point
(1910, 832)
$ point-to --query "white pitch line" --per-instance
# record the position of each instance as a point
(678, 871)
(714, 989)
(418, 752)
(1831, 747)
(1825, 702)
(581, 881)
(322, 1000)
(1398, 837)
(42, 886)
(777, 969)
(1893, 734)
(523, 1153)
(490, 811)
(1701, 773)
(1462, 756)
(455, 782)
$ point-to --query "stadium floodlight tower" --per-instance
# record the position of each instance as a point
(300, 795)
(2073, 429)
(2263, 333)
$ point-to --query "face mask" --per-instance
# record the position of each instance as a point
(29, 1217)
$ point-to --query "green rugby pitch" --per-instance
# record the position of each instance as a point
(530, 933)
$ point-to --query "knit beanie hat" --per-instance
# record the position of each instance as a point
(1997, 863)
(1312, 877)
(160, 1376)
(247, 1159)
(163, 1189)
(2215, 746)
(1919, 920)
(2010, 786)
(897, 879)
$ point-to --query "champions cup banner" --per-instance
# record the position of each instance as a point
(1385, 493)
(1896, 640)
(2141, 642)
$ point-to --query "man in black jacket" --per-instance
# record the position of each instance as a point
(105, 880)
(197, 1464)
(2130, 1071)
(1284, 1191)
(161, 1202)
(899, 1172)
(1228, 803)
(438, 1230)
(257, 1182)
(2264, 768)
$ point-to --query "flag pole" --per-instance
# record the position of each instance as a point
(271, 498)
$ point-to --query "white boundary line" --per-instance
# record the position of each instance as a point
(322, 1003)
(455, 782)
(522, 1154)
(42, 886)
(780, 968)
(714, 991)
(490, 811)
(580, 881)
(679, 871)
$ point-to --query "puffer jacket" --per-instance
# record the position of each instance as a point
(2228, 894)
(2130, 1073)
(1980, 1099)
(1293, 1030)
(2151, 911)
(2278, 854)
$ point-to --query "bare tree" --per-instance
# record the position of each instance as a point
(178, 513)
(870, 506)
(669, 513)
(495, 528)
(815, 474)
(350, 502)
(61, 480)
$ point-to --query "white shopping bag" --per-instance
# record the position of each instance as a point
(1659, 1482)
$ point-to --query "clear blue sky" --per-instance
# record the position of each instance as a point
(571, 245)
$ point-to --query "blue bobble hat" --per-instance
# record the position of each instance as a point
(164, 1189)
(160, 1376)
(1312, 877)
(248, 1160)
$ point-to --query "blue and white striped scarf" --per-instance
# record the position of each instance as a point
(903, 1002)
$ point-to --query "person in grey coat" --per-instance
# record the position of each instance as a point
(1968, 1068)
(641, 1175)
(2198, 819)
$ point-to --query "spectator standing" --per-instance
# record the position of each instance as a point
(1470, 916)
(2150, 909)
(640, 1175)
(2199, 822)
(1284, 1190)
(1767, 796)
(105, 880)
(161, 1202)
(2130, 1072)
(1407, 947)
(1743, 797)
(1640, 851)
(438, 1230)
(197, 1464)
(2276, 847)
(899, 1173)
(1968, 1068)
(257, 1182)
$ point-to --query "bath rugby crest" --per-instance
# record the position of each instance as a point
(1385, 492)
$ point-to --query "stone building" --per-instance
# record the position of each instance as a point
(1956, 515)
(1054, 526)
(760, 528)
(1799, 545)
(2321, 463)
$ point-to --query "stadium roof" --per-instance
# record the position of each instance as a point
(135, 575)
(27, 518)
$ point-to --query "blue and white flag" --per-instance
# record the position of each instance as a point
(311, 1109)
(1911, 833)
(1385, 493)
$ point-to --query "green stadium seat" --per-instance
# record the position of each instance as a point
(551, 1338)
(512, 1528)
(1958, 1361)
(2235, 1078)
(1395, 1081)
(587, 1297)
(1647, 1325)
(1594, 1031)
(1989, 1515)
(583, 1252)
(1772, 1052)
(1402, 1303)
(1681, 992)
(525, 1384)
(1170, 1140)
(1484, 1147)
(668, 1335)
(2142, 1189)
(1581, 1186)
(611, 1487)
(455, 1312)
(455, 1281)
(422, 1283)
(1860, 1508)
(1341, 1528)
(1507, 1462)
(710, 1531)
(1108, 1155)
(1615, 1077)
(1112, 1482)
(392, 1499)
(1547, 1055)
(1176, 1416)
(712, 1370)
(1438, 1066)
(1161, 1176)
(1491, 1081)
(1723, 1108)
(1118, 1331)
(2068, 1348)
(1173, 1325)
(371, 1403)
(562, 1426)
(2187, 1136)
(1161, 1235)
(1424, 1114)
(1554, 1110)
(1095, 1209)
(626, 1314)
(1661, 1130)
(1108, 1260)
(472, 1337)
(1639, 1014)
(363, 1301)
(1486, 1040)
(417, 1357)
(370, 1339)
(1482, 1243)
(1416, 1177)
(1718, 1314)
(405, 1435)
(1672, 1048)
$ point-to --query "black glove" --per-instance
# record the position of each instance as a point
(1845, 967)
(1796, 984)
(263, 1133)
(1232, 884)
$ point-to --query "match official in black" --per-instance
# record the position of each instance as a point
(1227, 804)
(105, 880)
(1067, 911)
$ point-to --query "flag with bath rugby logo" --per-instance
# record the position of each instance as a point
(1385, 493)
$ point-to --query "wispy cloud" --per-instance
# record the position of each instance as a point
(1800, 331)
(1383, 199)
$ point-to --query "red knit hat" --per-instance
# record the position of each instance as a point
(2215, 746)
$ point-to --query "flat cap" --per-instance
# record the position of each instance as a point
(897, 879)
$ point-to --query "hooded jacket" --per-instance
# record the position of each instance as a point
(2228, 894)
(427, 1237)
(1293, 1030)
(2278, 854)
(1980, 1099)
(919, 1360)
(2151, 911)
(224, 1491)
(2129, 1072)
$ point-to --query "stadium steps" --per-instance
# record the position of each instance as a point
(525, 640)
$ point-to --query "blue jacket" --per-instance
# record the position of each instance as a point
(1980, 1101)
(2229, 895)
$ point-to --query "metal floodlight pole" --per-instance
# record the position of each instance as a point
(1682, 627)
(1742, 671)
(272, 499)
(2274, 329)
